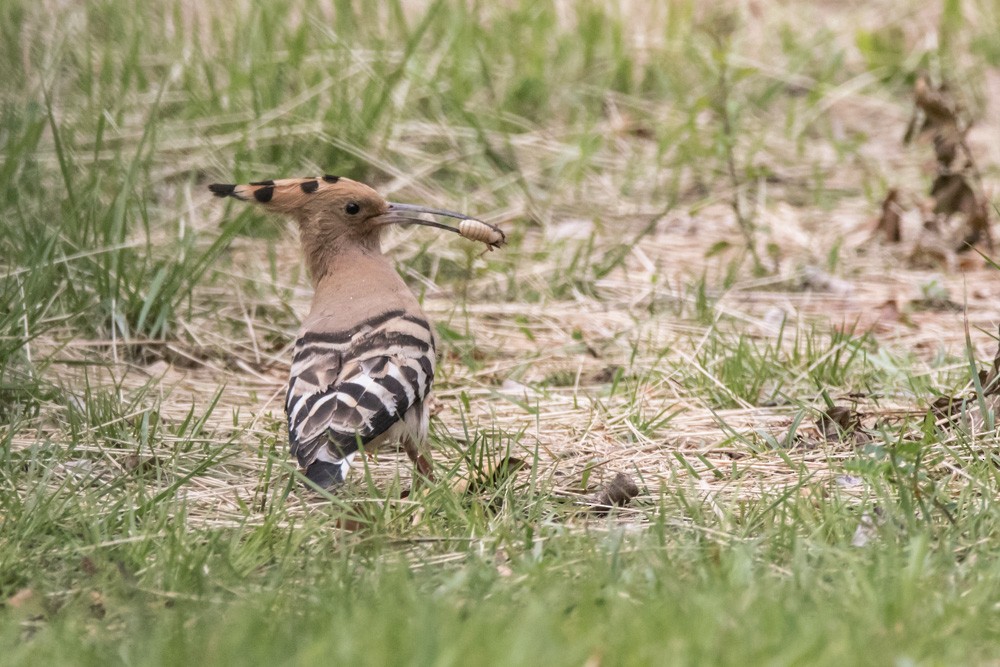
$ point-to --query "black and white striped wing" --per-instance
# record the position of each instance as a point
(350, 387)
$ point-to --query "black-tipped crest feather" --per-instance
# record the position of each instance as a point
(222, 189)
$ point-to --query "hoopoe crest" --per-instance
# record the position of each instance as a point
(363, 362)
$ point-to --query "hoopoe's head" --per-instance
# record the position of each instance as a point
(330, 207)
(334, 213)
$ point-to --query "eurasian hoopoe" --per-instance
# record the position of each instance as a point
(363, 363)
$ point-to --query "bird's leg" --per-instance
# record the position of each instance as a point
(423, 472)
(421, 457)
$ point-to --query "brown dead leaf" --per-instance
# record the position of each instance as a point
(889, 223)
(139, 465)
(947, 140)
(618, 492)
(605, 374)
(978, 223)
(842, 424)
(952, 194)
(950, 407)
(935, 103)
(502, 471)
(966, 413)
(954, 191)
(837, 420)
(946, 407)
(937, 114)
(991, 383)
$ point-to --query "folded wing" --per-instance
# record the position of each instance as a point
(347, 388)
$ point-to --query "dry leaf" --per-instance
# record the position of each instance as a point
(619, 491)
(952, 194)
(950, 407)
(889, 223)
(978, 222)
(940, 117)
(955, 191)
(138, 465)
(947, 407)
(991, 383)
(842, 424)
(836, 422)
(504, 469)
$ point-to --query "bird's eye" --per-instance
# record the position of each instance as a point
(352, 208)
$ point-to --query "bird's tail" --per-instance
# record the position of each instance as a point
(329, 474)
(325, 475)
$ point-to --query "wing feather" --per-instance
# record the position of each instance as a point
(348, 388)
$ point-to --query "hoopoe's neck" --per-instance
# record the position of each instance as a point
(357, 285)
(330, 248)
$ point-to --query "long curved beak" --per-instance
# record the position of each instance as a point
(410, 213)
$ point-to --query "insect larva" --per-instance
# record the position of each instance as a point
(477, 230)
